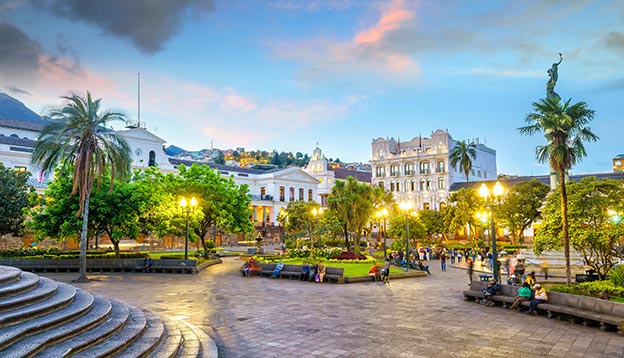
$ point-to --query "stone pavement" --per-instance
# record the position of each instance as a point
(418, 317)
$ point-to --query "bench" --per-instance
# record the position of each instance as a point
(289, 271)
(103, 265)
(588, 310)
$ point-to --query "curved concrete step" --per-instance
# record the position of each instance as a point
(63, 296)
(115, 321)
(172, 342)
(98, 312)
(148, 341)
(25, 282)
(80, 303)
(44, 289)
(134, 327)
(9, 274)
(196, 342)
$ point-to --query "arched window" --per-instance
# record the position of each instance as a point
(422, 184)
(428, 184)
(441, 183)
(391, 186)
(152, 159)
(442, 205)
(413, 185)
(424, 167)
(409, 169)
(406, 186)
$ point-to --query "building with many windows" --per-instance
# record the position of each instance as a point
(419, 171)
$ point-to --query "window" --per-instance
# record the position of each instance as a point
(282, 194)
(409, 169)
(301, 194)
(440, 168)
(398, 186)
(152, 159)
(426, 206)
(428, 184)
(422, 184)
(485, 174)
(309, 194)
(381, 184)
(394, 170)
(291, 194)
(413, 185)
(472, 172)
(424, 168)
(442, 205)
(406, 185)
(440, 183)
(20, 169)
(391, 186)
(381, 172)
(479, 173)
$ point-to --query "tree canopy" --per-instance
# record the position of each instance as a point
(520, 208)
(14, 198)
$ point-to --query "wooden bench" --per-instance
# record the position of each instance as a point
(588, 310)
(103, 265)
(289, 271)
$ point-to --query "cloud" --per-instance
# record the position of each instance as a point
(20, 54)
(316, 5)
(615, 41)
(17, 90)
(359, 58)
(148, 24)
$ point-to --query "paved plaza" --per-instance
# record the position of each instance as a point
(417, 317)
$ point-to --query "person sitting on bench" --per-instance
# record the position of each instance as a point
(278, 268)
(492, 288)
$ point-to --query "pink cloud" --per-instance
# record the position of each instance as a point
(236, 102)
(393, 17)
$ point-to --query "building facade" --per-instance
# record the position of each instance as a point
(419, 170)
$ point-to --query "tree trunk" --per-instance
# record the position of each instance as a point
(346, 236)
(564, 226)
(116, 246)
(82, 273)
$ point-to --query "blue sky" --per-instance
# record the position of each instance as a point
(286, 74)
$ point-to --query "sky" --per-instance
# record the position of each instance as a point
(288, 74)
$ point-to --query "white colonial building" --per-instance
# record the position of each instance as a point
(419, 171)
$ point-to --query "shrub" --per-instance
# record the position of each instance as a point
(601, 289)
(616, 275)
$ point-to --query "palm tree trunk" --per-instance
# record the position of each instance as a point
(564, 225)
(82, 273)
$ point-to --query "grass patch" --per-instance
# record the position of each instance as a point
(350, 269)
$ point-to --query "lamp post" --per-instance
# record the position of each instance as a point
(405, 206)
(315, 212)
(491, 200)
(483, 217)
(187, 208)
(383, 213)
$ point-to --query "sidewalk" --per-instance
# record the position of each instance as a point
(553, 277)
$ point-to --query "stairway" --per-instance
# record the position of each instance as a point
(40, 317)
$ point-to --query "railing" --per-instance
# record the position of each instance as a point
(262, 197)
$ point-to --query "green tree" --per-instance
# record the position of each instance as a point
(298, 217)
(223, 203)
(417, 230)
(462, 210)
(351, 203)
(54, 214)
(79, 134)
(520, 208)
(461, 157)
(592, 231)
(565, 128)
(433, 221)
(14, 198)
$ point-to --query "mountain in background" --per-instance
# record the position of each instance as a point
(14, 109)
(173, 150)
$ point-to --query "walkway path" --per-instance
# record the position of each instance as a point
(419, 317)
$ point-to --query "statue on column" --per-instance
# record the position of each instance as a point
(550, 85)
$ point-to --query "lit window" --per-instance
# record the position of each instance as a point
(291, 194)
(282, 193)
(301, 194)
(20, 169)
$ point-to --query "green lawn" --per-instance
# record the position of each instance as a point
(350, 270)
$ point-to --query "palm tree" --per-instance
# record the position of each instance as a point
(564, 126)
(463, 154)
(77, 136)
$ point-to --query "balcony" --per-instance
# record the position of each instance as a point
(262, 197)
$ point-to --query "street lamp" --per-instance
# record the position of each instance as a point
(483, 216)
(496, 195)
(315, 212)
(383, 213)
(405, 205)
(187, 208)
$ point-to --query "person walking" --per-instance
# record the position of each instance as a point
(470, 263)
(443, 260)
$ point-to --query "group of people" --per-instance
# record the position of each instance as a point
(528, 291)
(381, 273)
(314, 273)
